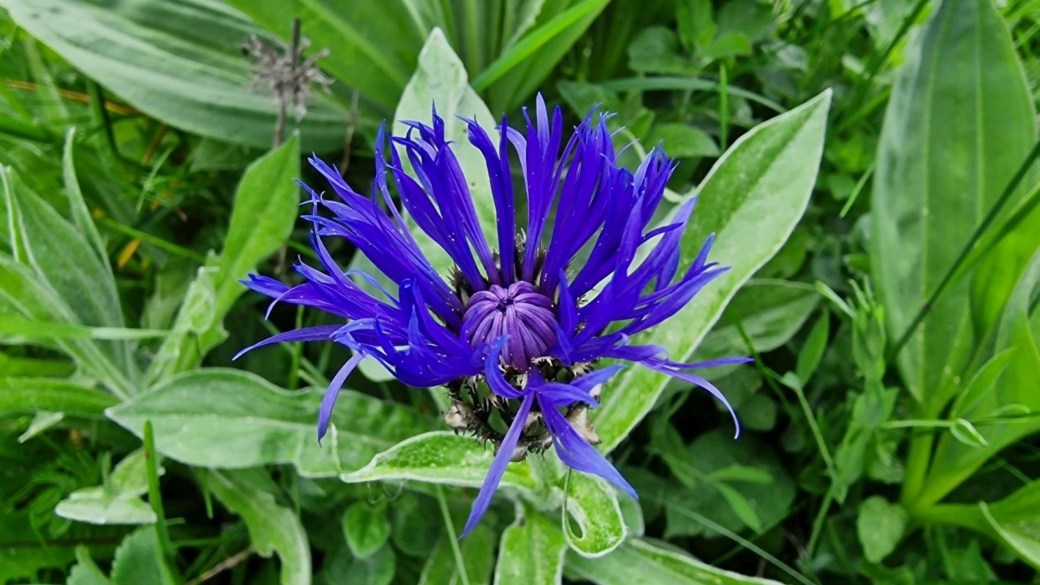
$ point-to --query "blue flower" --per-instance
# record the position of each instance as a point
(518, 328)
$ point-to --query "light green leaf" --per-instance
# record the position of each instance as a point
(20, 327)
(592, 521)
(85, 571)
(180, 63)
(116, 502)
(478, 550)
(531, 551)
(641, 562)
(139, 560)
(78, 206)
(1014, 521)
(233, 419)
(24, 395)
(41, 422)
(760, 186)
(366, 528)
(272, 528)
(440, 457)
(880, 526)
(682, 140)
(815, 347)
(266, 205)
(936, 180)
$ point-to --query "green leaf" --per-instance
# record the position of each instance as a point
(233, 419)
(346, 569)
(42, 330)
(366, 528)
(78, 206)
(528, 61)
(593, 523)
(139, 560)
(640, 562)
(116, 502)
(26, 395)
(682, 141)
(85, 571)
(935, 181)
(531, 551)
(478, 550)
(1008, 381)
(814, 348)
(880, 526)
(179, 63)
(440, 457)
(760, 186)
(1013, 521)
(266, 205)
(272, 528)
(739, 502)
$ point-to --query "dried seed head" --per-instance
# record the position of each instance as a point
(280, 73)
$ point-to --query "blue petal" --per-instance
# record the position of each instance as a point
(319, 333)
(498, 467)
(329, 401)
(577, 453)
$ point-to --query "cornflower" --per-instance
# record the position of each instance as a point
(518, 329)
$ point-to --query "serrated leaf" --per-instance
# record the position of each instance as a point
(760, 186)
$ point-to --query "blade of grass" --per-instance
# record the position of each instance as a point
(32, 329)
(526, 47)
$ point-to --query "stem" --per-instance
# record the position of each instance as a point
(818, 522)
(947, 279)
(283, 104)
(723, 108)
(155, 499)
(917, 463)
(452, 539)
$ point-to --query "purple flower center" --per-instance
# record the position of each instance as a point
(521, 312)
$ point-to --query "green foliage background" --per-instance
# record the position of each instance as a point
(868, 167)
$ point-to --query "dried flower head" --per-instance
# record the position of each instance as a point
(280, 73)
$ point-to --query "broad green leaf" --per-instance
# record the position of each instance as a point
(266, 204)
(682, 140)
(440, 80)
(1006, 385)
(531, 551)
(880, 526)
(639, 562)
(440, 457)
(366, 528)
(116, 502)
(232, 419)
(760, 186)
(935, 180)
(25, 395)
(265, 210)
(478, 550)
(139, 560)
(272, 528)
(180, 63)
(592, 522)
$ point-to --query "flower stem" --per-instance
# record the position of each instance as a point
(452, 539)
